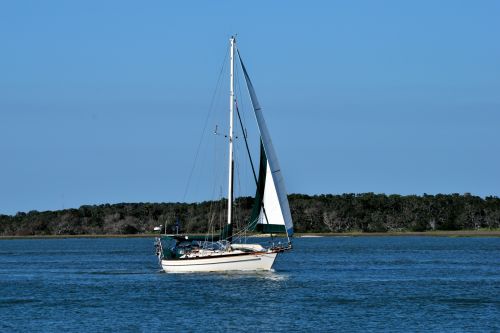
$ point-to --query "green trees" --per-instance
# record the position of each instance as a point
(367, 212)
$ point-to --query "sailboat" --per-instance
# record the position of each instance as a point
(270, 211)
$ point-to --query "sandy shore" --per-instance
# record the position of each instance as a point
(441, 233)
(455, 233)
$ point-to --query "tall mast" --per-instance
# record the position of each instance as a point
(231, 162)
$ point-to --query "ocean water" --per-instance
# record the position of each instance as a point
(330, 284)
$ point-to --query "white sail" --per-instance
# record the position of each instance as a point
(270, 212)
(275, 208)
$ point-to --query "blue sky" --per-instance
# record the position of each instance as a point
(104, 101)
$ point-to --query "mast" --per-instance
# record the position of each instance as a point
(231, 162)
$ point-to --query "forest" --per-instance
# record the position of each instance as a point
(365, 212)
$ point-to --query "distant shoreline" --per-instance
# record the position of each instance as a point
(441, 233)
(350, 214)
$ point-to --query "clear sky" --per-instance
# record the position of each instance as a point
(104, 101)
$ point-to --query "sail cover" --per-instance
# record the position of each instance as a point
(271, 212)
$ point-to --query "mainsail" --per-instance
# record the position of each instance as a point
(271, 212)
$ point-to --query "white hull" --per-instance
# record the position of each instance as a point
(262, 261)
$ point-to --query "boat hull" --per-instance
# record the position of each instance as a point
(262, 261)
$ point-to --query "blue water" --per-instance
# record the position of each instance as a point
(383, 284)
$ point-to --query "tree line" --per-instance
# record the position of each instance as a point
(366, 212)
